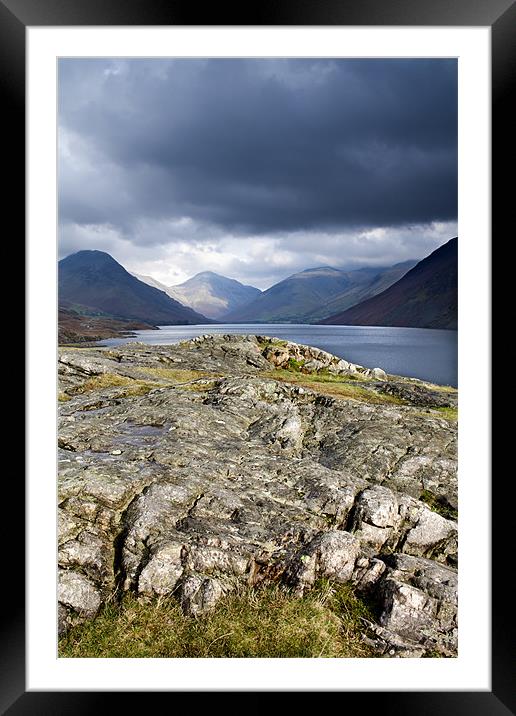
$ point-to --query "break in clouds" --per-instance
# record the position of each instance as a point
(256, 168)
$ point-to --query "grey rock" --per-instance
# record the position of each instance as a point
(200, 595)
(79, 596)
(195, 487)
(391, 644)
(431, 534)
(331, 555)
(63, 620)
(385, 518)
(416, 394)
(367, 572)
(420, 603)
(162, 573)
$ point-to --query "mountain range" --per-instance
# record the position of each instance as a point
(425, 297)
(316, 293)
(93, 283)
(209, 293)
(420, 294)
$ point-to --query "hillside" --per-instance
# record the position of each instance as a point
(303, 297)
(426, 297)
(97, 283)
(74, 327)
(375, 281)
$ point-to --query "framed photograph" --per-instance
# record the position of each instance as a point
(461, 55)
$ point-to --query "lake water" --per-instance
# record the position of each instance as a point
(415, 352)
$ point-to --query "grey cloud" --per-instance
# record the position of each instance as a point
(257, 147)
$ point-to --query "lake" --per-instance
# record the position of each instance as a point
(415, 352)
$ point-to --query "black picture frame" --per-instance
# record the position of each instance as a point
(500, 16)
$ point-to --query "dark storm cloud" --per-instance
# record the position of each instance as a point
(258, 146)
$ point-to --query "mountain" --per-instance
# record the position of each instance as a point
(93, 282)
(426, 297)
(304, 297)
(364, 284)
(209, 293)
(151, 281)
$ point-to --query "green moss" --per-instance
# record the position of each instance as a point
(295, 365)
(438, 504)
(433, 654)
(265, 623)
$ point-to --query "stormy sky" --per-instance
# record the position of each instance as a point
(256, 168)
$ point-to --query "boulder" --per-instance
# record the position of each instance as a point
(331, 554)
(419, 603)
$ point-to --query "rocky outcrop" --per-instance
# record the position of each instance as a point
(187, 470)
(419, 604)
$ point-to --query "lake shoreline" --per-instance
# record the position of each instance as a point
(420, 353)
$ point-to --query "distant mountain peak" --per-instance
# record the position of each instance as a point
(320, 269)
(209, 293)
(208, 274)
(91, 255)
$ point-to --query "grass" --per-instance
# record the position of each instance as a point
(442, 388)
(449, 413)
(439, 505)
(176, 375)
(295, 365)
(110, 380)
(136, 386)
(334, 385)
(268, 622)
(278, 342)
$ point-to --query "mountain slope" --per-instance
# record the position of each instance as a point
(212, 294)
(381, 279)
(95, 282)
(303, 297)
(150, 281)
(75, 327)
(426, 297)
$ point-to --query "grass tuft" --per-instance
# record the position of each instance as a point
(263, 623)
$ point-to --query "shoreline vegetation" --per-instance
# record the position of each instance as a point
(208, 508)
